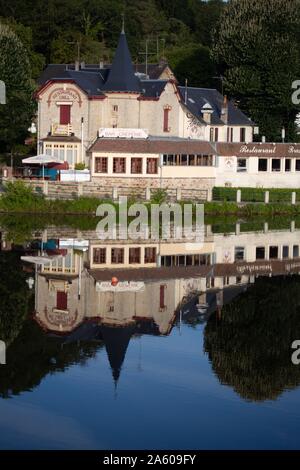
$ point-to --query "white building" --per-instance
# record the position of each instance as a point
(132, 130)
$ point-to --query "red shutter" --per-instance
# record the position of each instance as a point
(166, 120)
(65, 114)
(61, 300)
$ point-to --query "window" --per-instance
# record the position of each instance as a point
(262, 164)
(162, 297)
(288, 164)
(241, 164)
(64, 114)
(101, 165)
(242, 134)
(136, 165)
(70, 154)
(61, 152)
(206, 160)
(285, 252)
(55, 150)
(61, 300)
(229, 134)
(119, 165)
(184, 160)
(117, 255)
(134, 255)
(166, 119)
(214, 134)
(99, 255)
(150, 255)
(260, 252)
(296, 251)
(152, 166)
(297, 165)
(239, 253)
(115, 108)
(273, 252)
(48, 150)
(276, 164)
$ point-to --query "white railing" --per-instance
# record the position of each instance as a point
(61, 129)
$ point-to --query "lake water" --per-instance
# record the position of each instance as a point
(149, 345)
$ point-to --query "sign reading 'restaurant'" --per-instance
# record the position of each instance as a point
(253, 150)
(256, 150)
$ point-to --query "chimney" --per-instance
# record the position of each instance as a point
(207, 111)
(77, 65)
(224, 110)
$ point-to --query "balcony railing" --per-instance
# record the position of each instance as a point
(61, 129)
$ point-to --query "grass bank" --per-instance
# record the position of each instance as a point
(19, 198)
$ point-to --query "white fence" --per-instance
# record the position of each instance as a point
(78, 176)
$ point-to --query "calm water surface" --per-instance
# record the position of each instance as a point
(199, 358)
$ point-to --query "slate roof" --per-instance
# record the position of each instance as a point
(198, 97)
(121, 76)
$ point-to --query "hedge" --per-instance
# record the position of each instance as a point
(254, 194)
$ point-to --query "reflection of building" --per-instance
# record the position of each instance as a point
(155, 284)
(68, 286)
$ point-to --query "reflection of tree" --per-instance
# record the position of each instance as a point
(34, 354)
(250, 347)
(14, 296)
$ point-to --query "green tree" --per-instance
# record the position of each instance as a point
(16, 115)
(257, 47)
(192, 63)
(250, 346)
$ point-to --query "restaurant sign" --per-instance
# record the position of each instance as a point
(275, 150)
(123, 286)
(123, 133)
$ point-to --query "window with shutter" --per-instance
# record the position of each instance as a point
(65, 114)
(61, 300)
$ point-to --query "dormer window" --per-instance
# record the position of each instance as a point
(207, 111)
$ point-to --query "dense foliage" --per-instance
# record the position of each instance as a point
(15, 72)
(257, 43)
(253, 44)
(250, 346)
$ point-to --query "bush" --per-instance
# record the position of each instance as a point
(159, 196)
(20, 197)
(79, 166)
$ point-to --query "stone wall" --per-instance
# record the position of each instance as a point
(196, 189)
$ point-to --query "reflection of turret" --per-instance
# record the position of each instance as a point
(116, 342)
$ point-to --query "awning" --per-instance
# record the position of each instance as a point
(41, 159)
(39, 259)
